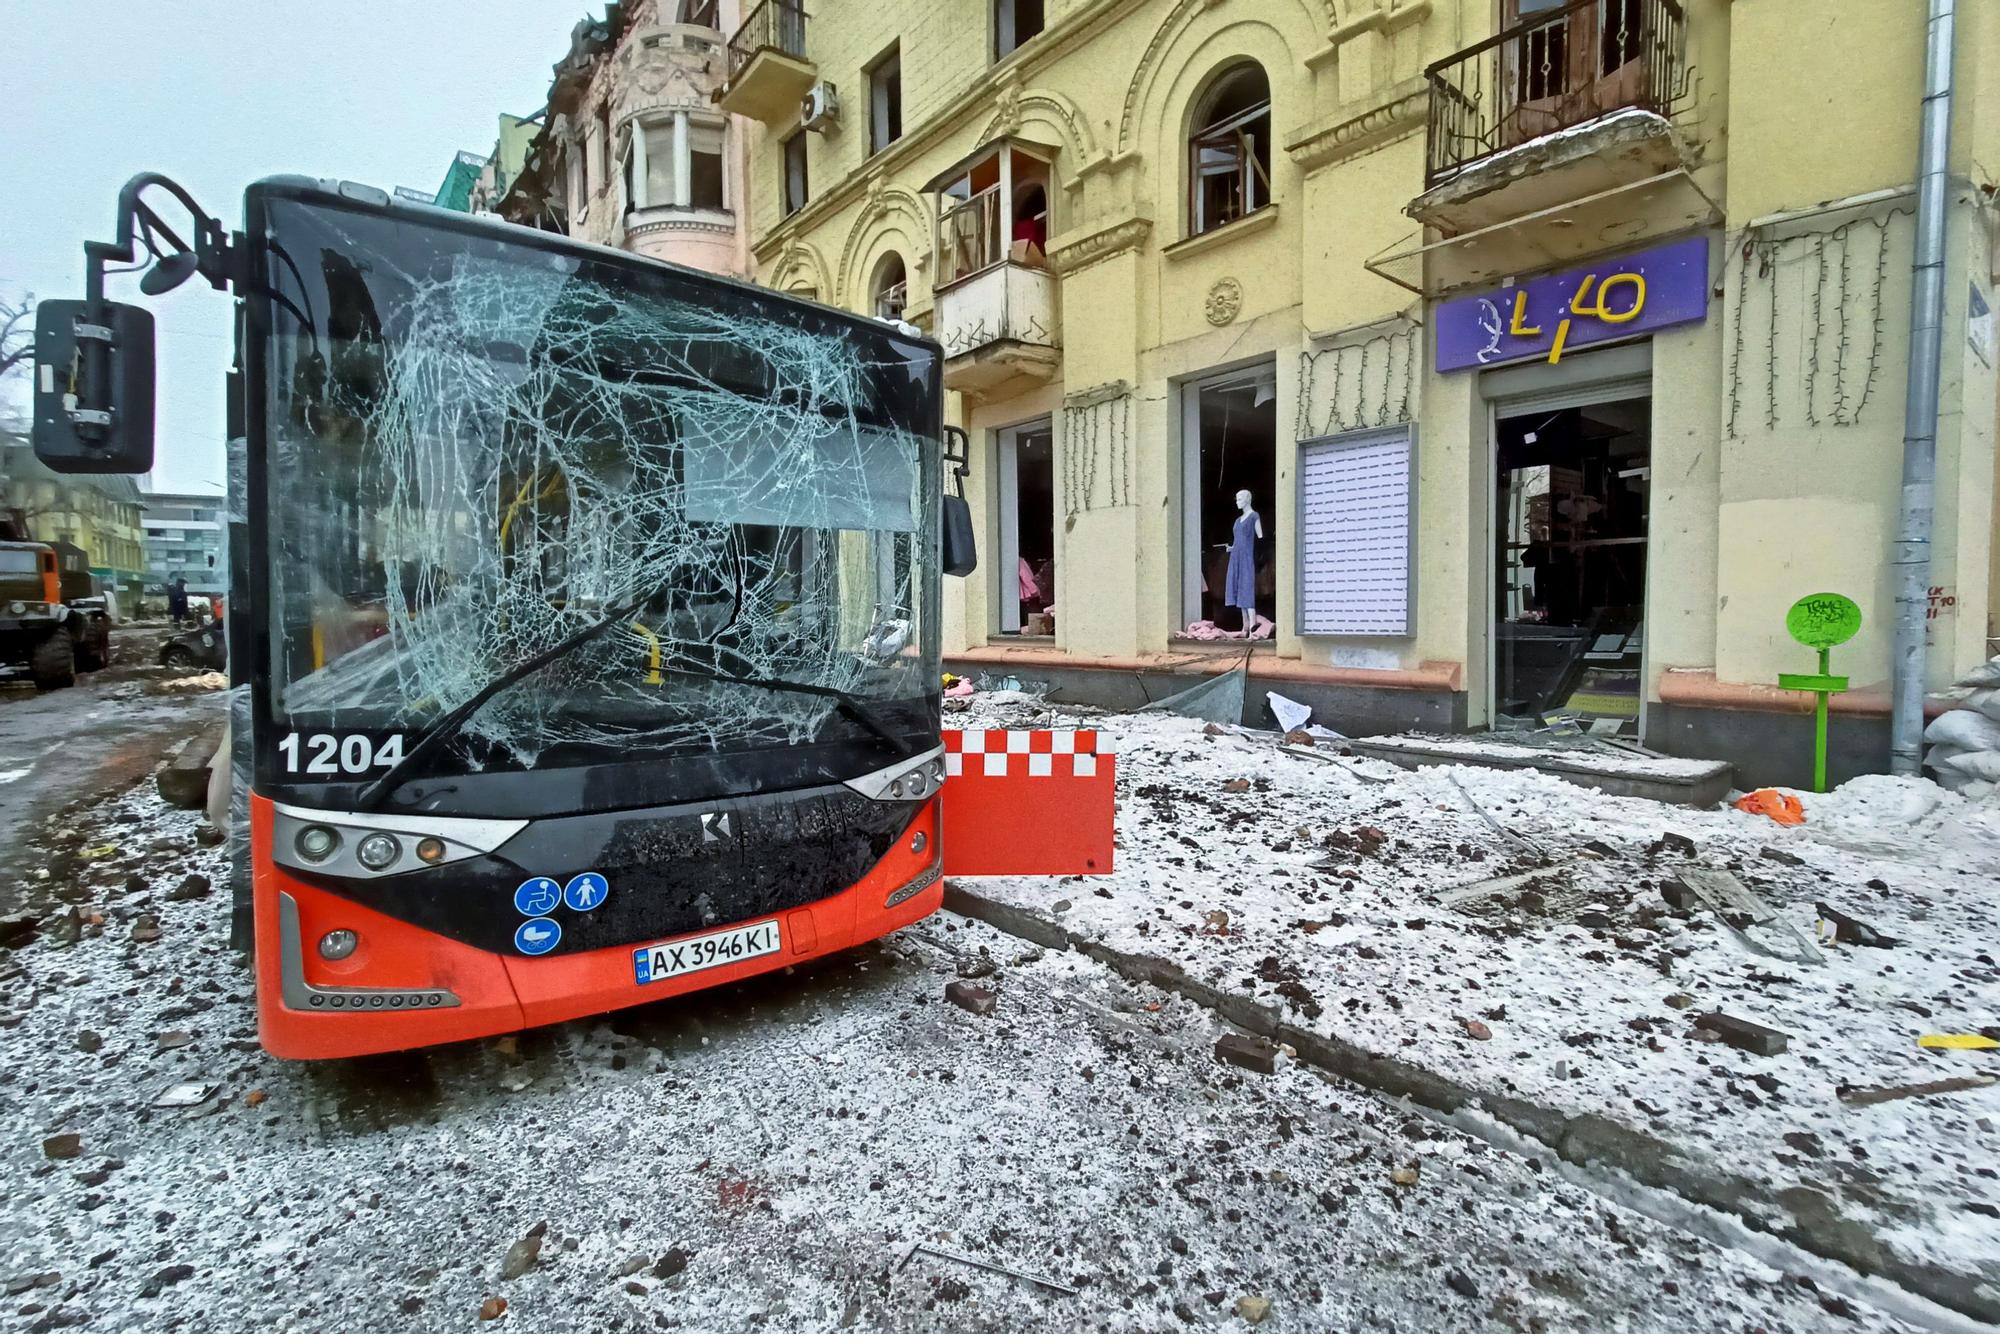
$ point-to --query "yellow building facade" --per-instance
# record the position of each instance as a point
(1560, 347)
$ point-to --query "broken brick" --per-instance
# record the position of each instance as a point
(1744, 1035)
(973, 1000)
(1251, 1053)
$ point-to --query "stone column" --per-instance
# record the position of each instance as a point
(639, 199)
(683, 167)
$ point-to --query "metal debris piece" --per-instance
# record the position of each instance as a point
(1958, 1042)
(1340, 762)
(184, 1095)
(1889, 1093)
(942, 1254)
(1724, 894)
(1479, 889)
(1498, 828)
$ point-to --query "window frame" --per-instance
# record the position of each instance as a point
(793, 203)
(1230, 135)
(884, 77)
(1007, 38)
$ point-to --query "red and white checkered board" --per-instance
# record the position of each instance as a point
(1027, 803)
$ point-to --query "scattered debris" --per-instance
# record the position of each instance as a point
(184, 1095)
(492, 1308)
(1889, 1093)
(1847, 931)
(673, 1262)
(66, 1145)
(1744, 1035)
(973, 1000)
(1479, 889)
(1253, 1309)
(1406, 1175)
(170, 1040)
(1462, 1285)
(1215, 923)
(1475, 1029)
(1783, 807)
(1725, 894)
(987, 1265)
(1248, 1051)
(521, 1256)
(146, 929)
(1957, 1042)
(255, 1098)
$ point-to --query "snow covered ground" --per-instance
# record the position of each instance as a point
(1340, 891)
(765, 1156)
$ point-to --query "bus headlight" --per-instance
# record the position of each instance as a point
(316, 842)
(335, 945)
(18, 608)
(377, 851)
(430, 851)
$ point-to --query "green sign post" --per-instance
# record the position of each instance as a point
(1819, 621)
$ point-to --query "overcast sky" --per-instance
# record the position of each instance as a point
(216, 93)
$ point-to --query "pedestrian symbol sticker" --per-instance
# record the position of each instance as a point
(537, 897)
(538, 936)
(586, 891)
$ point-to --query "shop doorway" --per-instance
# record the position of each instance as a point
(1230, 435)
(1027, 567)
(1570, 525)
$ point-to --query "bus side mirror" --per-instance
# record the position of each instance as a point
(93, 387)
(958, 549)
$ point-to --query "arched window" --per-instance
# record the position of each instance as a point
(1229, 153)
(891, 289)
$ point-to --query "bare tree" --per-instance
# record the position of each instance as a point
(17, 334)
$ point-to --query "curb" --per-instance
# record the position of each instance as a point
(1806, 1218)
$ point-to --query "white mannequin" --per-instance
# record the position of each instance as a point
(1243, 508)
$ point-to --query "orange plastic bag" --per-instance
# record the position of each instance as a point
(1780, 806)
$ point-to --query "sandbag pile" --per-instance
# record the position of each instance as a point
(1964, 749)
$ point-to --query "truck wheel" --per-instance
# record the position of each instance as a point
(54, 663)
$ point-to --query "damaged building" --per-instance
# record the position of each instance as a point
(1465, 364)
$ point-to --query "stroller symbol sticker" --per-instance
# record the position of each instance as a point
(538, 936)
(586, 891)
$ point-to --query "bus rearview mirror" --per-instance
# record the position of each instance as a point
(959, 555)
(93, 387)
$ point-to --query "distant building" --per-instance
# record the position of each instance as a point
(98, 513)
(186, 536)
(631, 150)
(503, 165)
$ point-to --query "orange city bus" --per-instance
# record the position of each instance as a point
(589, 616)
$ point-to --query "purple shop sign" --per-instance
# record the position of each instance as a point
(1558, 313)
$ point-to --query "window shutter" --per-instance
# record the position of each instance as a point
(1357, 511)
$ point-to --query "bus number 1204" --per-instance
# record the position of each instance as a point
(324, 753)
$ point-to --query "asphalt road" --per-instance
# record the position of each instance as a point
(108, 730)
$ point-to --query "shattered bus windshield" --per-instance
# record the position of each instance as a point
(476, 448)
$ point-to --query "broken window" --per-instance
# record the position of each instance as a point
(885, 101)
(795, 172)
(1229, 158)
(1014, 22)
(478, 449)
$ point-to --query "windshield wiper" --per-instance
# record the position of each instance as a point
(442, 730)
(847, 702)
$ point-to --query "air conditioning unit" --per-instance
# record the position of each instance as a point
(820, 107)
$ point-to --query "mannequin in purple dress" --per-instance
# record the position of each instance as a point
(1239, 588)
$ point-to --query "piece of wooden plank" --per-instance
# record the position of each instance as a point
(1889, 1093)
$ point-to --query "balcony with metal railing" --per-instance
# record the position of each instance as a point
(1576, 98)
(996, 299)
(769, 70)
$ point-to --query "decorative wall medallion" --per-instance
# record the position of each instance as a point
(1225, 299)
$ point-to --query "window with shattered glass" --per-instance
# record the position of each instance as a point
(476, 449)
